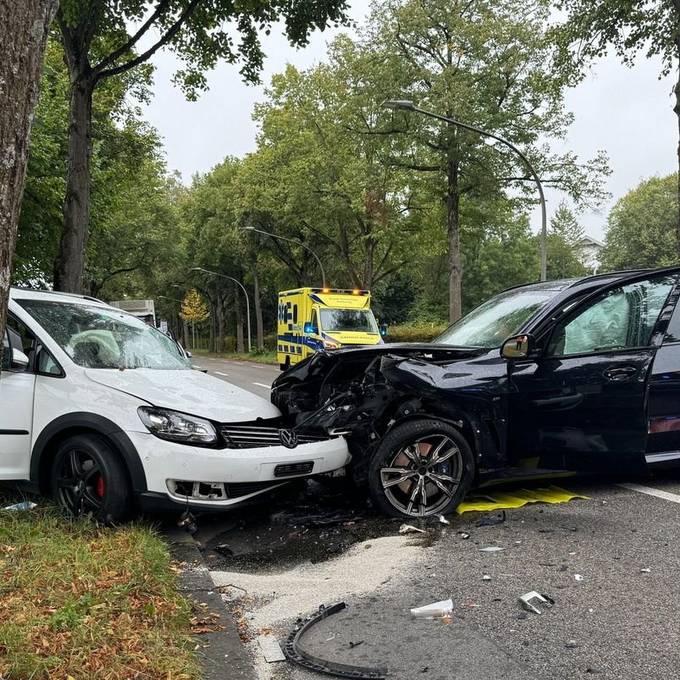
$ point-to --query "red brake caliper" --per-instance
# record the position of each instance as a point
(101, 487)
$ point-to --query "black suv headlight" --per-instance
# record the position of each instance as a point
(177, 427)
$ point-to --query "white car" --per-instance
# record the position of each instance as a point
(106, 414)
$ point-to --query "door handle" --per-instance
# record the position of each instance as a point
(619, 373)
(565, 401)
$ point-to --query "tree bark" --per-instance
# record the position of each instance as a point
(70, 262)
(259, 321)
(23, 34)
(240, 345)
(453, 233)
(219, 314)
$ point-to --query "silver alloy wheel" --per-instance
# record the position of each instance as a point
(423, 476)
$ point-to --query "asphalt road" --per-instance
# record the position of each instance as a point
(610, 562)
(256, 378)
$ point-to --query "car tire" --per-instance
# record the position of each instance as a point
(88, 478)
(421, 460)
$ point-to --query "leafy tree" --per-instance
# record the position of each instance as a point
(641, 230)
(194, 308)
(650, 27)
(488, 64)
(102, 39)
(565, 238)
(23, 36)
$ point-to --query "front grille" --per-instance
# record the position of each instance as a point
(292, 469)
(250, 436)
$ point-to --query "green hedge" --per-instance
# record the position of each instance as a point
(423, 332)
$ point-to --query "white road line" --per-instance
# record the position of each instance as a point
(268, 387)
(226, 375)
(667, 496)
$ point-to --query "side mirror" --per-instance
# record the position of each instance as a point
(310, 328)
(383, 330)
(518, 347)
(19, 360)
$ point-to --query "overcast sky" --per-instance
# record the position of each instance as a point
(627, 112)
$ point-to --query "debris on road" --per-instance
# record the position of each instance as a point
(571, 644)
(271, 649)
(578, 577)
(20, 507)
(436, 610)
(295, 654)
(486, 577)
(491, 549)
(443, 520)
(410, 529)
(492, 520)
(531, 599)
(645, 570)
(517, 499)
(464, 535)
(352, 645)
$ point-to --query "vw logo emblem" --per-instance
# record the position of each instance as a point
(288, 438)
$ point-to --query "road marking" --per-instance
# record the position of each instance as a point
(667, 496)
(268, 387)
(226, 375)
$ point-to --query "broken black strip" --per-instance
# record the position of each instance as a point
(13, 432)
(340, 670)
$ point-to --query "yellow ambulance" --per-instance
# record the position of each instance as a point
(310, 319)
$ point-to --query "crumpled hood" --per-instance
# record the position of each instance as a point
(191, 392)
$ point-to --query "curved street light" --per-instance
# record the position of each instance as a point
(245, 292)
(293, 240)
(407, 105)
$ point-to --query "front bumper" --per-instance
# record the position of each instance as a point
(245, 472)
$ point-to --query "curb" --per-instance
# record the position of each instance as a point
(222, 655)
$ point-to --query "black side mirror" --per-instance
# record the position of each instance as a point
(518, 347)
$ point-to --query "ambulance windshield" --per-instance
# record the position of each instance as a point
(341, 320)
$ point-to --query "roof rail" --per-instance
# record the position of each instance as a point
(57, 292)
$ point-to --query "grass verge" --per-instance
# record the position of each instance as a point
(254, 357)
(79, 601)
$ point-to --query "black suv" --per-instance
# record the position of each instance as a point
(579, 375)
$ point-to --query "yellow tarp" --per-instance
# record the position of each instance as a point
(516, 499)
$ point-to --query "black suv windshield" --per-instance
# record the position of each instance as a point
(496, 319)
(103, 337)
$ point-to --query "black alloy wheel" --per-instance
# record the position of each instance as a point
(88, 478)
(422, 468)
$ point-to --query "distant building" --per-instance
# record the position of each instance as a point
(589, 251)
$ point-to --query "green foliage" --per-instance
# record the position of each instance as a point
(194, 308)
(564, 244)
(641, 229)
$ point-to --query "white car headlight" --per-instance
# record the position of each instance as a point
(177, 427)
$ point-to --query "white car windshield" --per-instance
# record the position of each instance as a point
(496, 319)
(339, 320)
(101, 337)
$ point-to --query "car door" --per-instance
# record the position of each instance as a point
(17, 387)
(582, 405)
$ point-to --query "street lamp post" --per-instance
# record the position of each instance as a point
(407, 105)
(245, 292)
(293, 240)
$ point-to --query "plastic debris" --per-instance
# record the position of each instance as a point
(531, 599)
(436, 610)
(271, 649)
(410, 529)
(645, 571)
(486, 577)
(24, 505)
(578, 577)
(516, 499)
(443, 520)
(464, 535)
(352, 645)
(571, 644)
(492, 520)
(491, 549)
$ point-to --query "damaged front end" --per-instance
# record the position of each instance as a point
(363, 393)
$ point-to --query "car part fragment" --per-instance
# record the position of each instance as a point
(529, 601)
(339, 670)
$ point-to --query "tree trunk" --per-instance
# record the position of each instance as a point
(185, 328)
(70, 262)
(219, 313)
(240, 346)
(453, 232)
(23, 34)
(259, 321)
